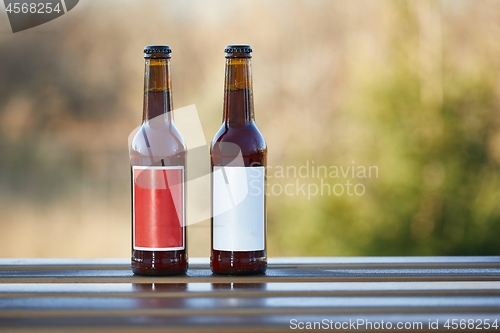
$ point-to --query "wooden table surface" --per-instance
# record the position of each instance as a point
(357, 293)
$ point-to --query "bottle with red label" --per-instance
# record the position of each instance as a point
(158, 161)
(239, 156)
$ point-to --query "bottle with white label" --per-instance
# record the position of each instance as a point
(158, 160)
(238, 155)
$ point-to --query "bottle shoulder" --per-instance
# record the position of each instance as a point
(157, 141)
(248, 132)
(247, 137)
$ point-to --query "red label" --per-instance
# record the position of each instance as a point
(159, 214)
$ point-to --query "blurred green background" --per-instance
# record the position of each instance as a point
(409, 87)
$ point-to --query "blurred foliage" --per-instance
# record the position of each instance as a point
(411, 87)
(439, 187)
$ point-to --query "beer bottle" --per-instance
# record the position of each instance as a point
(158, 159)
(238, 156)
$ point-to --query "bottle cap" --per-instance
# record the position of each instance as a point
(238, 51)
(157, 51)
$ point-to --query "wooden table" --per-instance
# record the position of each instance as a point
(357, 293)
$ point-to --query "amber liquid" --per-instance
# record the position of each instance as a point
(240, 129)
(159, 262)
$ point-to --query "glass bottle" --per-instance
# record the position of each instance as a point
(158, 160)
(238, 156)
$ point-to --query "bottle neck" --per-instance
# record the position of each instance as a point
(157, 91)
(238, 92)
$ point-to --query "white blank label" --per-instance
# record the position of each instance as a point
(238, 208)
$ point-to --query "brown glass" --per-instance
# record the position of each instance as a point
(238, 127)
(171, 151)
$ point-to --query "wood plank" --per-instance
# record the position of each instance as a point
(190, 290)
(288, 262)
(272, 275)
(387, 262)
(261, 324)
(205, 306)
